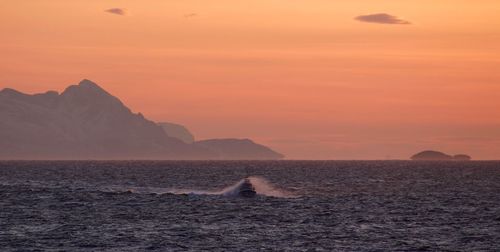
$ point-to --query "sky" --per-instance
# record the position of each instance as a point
(312, 79)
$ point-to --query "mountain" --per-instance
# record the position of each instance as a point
(84, 122)
(430, 155)
(240, 149)
(228, 148)
(177, 131)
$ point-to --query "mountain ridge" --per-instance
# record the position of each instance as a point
(84, 122)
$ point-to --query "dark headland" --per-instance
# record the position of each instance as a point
(86, 122)
(436, 155)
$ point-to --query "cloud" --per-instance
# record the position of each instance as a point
(381, 18)
(117, 11)
(190, 15)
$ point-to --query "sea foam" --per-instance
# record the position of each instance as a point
(262, 186)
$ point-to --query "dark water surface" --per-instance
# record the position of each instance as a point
(304, 205)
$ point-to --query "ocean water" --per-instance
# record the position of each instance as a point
(301, 206)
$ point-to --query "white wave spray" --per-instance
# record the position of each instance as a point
(262, 187)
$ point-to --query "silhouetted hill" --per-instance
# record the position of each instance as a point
(177, 131)
(242, 149)
(436, 155)
(84, 122)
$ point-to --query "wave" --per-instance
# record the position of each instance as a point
(262, 186)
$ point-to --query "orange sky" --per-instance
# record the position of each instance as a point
(301, 76)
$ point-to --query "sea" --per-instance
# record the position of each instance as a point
(300, 206)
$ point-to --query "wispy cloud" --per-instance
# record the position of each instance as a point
(381, 18)
(190, 15)
(117, 11)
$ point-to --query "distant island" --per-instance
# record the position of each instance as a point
(237, 149)
(436, 155)
(86, 122)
